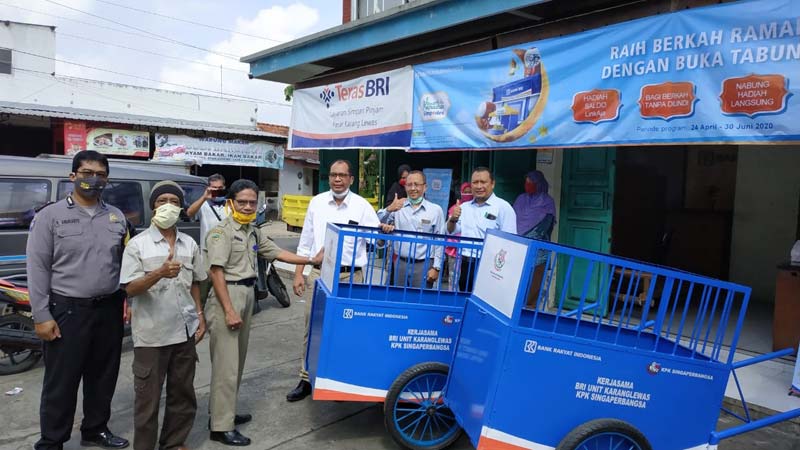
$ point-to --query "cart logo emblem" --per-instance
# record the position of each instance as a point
(530, 346)
(347, 313)
(654, 368)
(500, 260)
(448, 320)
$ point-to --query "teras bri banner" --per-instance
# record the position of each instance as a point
(372, 111)
(226, 152)
(724, 73)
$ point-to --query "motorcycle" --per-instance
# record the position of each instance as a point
(20, 348)
(268, 280)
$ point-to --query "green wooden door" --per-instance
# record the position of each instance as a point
(587, 197)
(510, 168)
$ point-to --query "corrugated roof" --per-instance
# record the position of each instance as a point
(32, 109)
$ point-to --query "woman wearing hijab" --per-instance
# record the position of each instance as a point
(536, 216)
(451, 252)
(398, 188)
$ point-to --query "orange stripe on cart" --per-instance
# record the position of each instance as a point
(327, 394)
(487, 443)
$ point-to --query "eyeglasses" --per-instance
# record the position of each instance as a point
(414, 185)
(334, 175)
(243, 203)
(86, 173)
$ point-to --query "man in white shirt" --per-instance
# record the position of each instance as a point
(211, 206)
(338, 205)
(474, 217)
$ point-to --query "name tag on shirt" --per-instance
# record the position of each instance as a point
(490, 216)
(426, 221)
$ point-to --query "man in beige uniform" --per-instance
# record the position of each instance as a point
(232, 249)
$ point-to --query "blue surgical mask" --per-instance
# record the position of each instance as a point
(415, 202)
(218, 200)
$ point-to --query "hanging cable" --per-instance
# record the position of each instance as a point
(141, 30)
(192, 61)
(188, 21)
(235, 96)
(130, 33)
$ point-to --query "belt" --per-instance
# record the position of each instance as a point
(244, 282)
(411, 259)
(343, 269)
(92, 302)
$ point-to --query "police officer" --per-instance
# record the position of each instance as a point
(73, 263)
(232, 249)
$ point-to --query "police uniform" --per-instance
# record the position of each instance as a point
(235, 248)
(73, 265)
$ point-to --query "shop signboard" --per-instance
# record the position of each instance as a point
(80, 136)
(210, 150)
(719, 74)
(368, 112)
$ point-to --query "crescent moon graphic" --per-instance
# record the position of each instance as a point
(532, 118)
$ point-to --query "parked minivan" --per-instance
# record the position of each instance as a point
(28, 183)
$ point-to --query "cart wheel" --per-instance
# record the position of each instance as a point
(414, 411)
(605, 433)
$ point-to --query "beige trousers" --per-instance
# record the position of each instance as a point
(228, 354)
(309, 294)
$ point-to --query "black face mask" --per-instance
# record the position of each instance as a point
(90, 187)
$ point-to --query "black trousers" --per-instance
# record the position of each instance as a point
(89, 349)
(466, 277)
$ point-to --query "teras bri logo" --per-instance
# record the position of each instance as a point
(373, 87)
(500, 260)
(327, 95)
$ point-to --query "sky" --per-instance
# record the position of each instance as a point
(261, 24)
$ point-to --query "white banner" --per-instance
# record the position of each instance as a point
(226, 152)
(371, 112)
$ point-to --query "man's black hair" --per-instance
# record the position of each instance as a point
(484, 169)
(89, 155)
(420, 173)
(343, 161)
(216, 177)
(239, 186)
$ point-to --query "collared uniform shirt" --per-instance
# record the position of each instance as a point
(166, 313)
(323, 210)
(426, 218)
(73, 254)
(495, 213)
(209, 220)
(236, 247)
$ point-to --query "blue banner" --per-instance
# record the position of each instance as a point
(438, 181)
(704, 75)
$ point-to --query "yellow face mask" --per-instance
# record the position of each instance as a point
(243, 219)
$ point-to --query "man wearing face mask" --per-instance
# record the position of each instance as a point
(161, 271)
(232, 249)
(211, 208)
(338, 205)
(415, 262)
(73, 254)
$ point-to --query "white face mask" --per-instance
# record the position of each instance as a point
(342, 195)
(166, 216)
